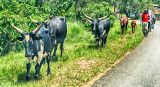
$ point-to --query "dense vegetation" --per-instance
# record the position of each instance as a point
(17, 12)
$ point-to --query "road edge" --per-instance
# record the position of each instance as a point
(98, 76)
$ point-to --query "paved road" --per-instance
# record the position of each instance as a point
(141, 68)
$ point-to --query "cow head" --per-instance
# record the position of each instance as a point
(94, 22)
(121, 21)
(28, 39)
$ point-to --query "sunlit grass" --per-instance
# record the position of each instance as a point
(80, 62)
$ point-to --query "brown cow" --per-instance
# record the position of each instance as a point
(124, 23)
(133, 24)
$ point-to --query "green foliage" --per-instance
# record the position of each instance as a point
(98, 10)
(112, 20)
(57, 7)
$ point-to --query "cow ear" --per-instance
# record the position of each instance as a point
(20, 38)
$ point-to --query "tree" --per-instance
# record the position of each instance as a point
(75, 3)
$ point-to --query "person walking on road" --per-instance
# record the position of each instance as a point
(149, 21)
(145, 17)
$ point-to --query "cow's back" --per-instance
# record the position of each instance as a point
(105, 24)
(59, 24)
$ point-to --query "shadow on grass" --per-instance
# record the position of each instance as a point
(22, 77)
(93, 46)
(63, 58)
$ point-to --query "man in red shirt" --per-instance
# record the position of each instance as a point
(145, 17)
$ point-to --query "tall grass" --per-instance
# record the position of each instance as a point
(80, 62)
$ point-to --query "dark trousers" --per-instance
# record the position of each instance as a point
(149, 27)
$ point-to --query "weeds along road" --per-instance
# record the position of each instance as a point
(141, 68)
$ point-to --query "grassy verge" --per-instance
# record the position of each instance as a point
(80, 62)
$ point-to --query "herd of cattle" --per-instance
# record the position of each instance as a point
(40, 42)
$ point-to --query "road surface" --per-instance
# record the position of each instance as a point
(141, 68)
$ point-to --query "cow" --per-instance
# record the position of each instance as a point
(123, 23)
(37, 45)
(133, 24)
(58, 31)
(100, 28)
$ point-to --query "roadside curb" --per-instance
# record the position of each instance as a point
(97, 77)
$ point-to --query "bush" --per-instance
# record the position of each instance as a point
(112, 19)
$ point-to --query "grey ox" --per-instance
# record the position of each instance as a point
(37, 45)
(100, 28)
(58, 31)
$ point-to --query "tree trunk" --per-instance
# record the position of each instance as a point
(75, 8)
(114, 8)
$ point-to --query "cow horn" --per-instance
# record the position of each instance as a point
(37, 29)
(33, 20)
(17, 29)
(47, 20)
(86, 16)
(103, 17)
(89, 21)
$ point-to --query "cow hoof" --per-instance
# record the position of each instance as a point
(28, 78)
(49, 74)
(36, 78)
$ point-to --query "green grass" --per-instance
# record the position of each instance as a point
(80, 62)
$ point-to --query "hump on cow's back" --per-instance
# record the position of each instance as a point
(44, 30)
(63, 19)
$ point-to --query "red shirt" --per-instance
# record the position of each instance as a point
(145, 17)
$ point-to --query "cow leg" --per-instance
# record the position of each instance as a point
(132, 30)
(43, 61)
(102, 41)
(126, 29)
(105, 40)
(99, 42)
(62, 49)
(37, 68)
(28, 69)
(123, 30)
(48, 63)
(55, 49)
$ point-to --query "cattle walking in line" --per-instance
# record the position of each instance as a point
(37, 45)
(100, 28)
(133, 24)
(58, 31)
(124, 23)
